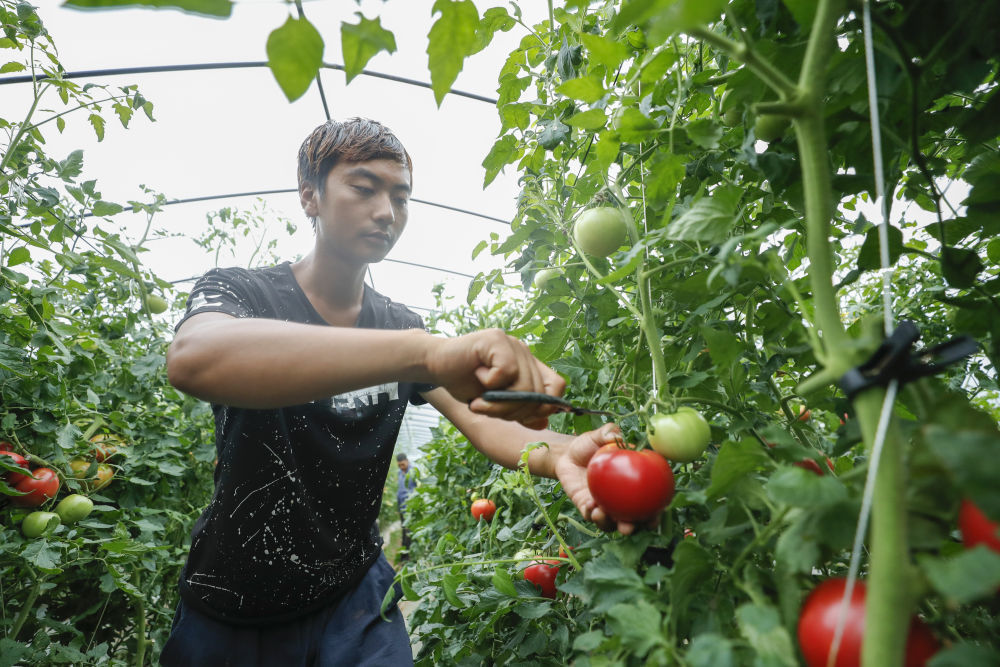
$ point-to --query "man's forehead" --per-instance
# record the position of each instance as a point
(386, 171)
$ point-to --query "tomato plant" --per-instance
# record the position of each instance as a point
(41, 486)
(484, 509)
(630, 485)
(681, 436)
(543, 576)
(600, 231)
(977, 528)
(37, 524)
(106, 446)
(813, 467)
(818, 623)
(156, 304)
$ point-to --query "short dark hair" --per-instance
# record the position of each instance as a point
(354, 140)
(401, 456)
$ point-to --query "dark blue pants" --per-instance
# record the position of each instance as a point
(348, 632)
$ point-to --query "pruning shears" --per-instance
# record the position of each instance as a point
(561, 404)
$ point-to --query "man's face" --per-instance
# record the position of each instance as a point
(404, 465)
(363, 209)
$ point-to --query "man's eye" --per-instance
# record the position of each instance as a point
(363, 190)
(402, 201)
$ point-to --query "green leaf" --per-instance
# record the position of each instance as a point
(12, 66)
(98, 124)
(675, 16)
(503, 583)
(451, 39)
(971, 575)
(966, 654)
(450, 583)
(607, 52)
(631, 124)
(797, 487)
(103, 208)
(592, 119)
(803, 11)
(704, 132)
(762, 628)
(18, 255)
(587, 89)
(709, 219)
(71, 167)
(960, 266)
(869, 257)
(723, 346)
(734, 462)
(360, 42)
(42, 556)
(638, 624)
(710, 650)
(295, 54)
(506, 150)
(219, 8)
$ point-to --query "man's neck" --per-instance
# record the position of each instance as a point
(333, 288)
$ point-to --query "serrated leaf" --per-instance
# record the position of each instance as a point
(762, 628)
(971, 575)
(710, 650)
(450, 583)
(607, 52)
(12, 66)
(450, 40)
(709, 219)
(103, 208)
(362, 41)
(639, 626)
(503, 583)
(98, 124)
(592, 119)
(587, 89)
(42, 556)
(295, 54)
(733, 463)
(504, 151)
(18, 255)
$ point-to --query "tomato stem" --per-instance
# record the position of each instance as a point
(29, 604)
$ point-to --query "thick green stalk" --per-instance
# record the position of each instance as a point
(29, 604)
(888, 605)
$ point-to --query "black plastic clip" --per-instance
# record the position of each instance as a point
(895, 359)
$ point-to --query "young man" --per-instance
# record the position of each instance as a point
(309, 372)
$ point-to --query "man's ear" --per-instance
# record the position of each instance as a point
(308, 198)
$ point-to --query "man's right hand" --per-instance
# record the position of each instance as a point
(469, 365)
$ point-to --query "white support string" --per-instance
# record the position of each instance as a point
(888, 321)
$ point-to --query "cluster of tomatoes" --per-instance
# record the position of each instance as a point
(37, 486)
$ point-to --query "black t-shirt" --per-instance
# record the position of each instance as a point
(291, 525)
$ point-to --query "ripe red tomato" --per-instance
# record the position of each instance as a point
(43, 486)
(14, 478)
(630, 485)
(600, 231)
(811, 465)
(977, 528)
(818, 623)
(543, 575)
(681, 436)
(804, 413)
(484, 508)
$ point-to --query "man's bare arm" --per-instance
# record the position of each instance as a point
(263, 363)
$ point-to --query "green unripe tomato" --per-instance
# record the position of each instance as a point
(732, 117)
(600, 231)
(543, 277)
(37, 524)
(156, 304)
(769, 127)
(74, 507)
(681, 436)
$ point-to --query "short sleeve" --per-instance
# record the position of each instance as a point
(219, 291)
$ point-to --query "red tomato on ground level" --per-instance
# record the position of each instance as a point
(977, 528)
(818, 623)
(483, 508)
(543, 575)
